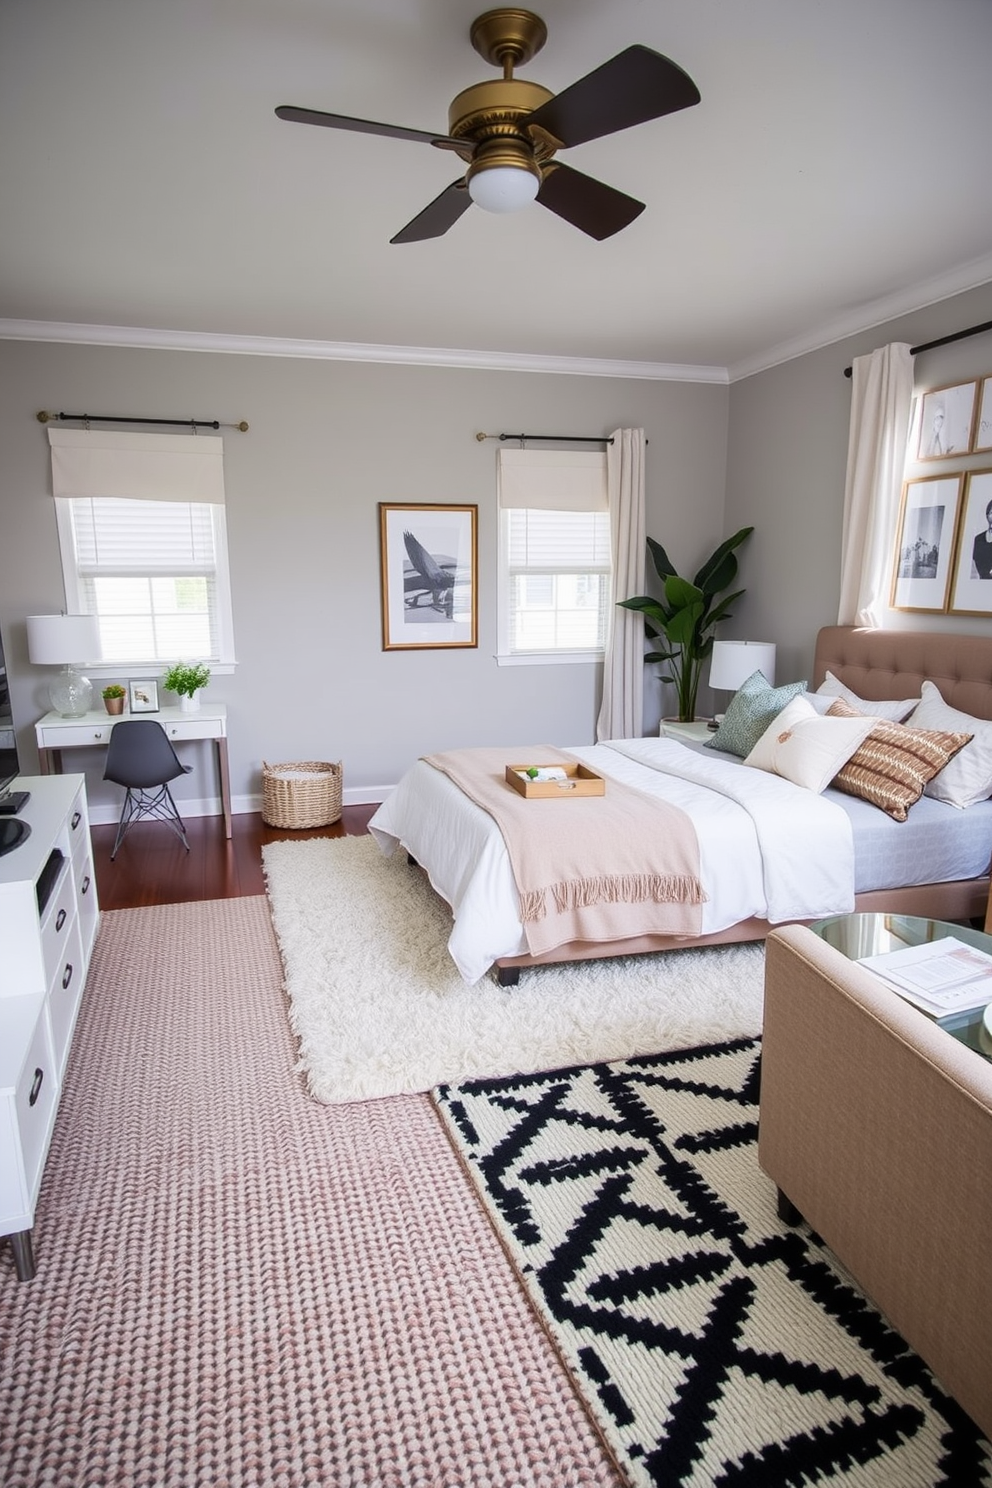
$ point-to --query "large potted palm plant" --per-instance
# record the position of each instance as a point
(684, 619)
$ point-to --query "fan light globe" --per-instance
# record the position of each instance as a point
(503, 188)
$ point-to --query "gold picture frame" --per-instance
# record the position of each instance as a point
(947, 420)
(429, 576)
(971, 593)
(925, 538)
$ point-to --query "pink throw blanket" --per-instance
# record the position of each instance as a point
(587, 868)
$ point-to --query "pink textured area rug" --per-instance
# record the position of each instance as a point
(239, 1286)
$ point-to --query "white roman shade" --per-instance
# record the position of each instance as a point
(552, 480)
(137, 467)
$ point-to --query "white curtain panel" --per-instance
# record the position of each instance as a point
(881, 400)
(621, 714)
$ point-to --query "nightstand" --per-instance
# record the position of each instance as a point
(698, 730)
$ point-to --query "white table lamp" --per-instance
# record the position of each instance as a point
(67, 641)
(732, 662)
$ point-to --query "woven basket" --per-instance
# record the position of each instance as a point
(307, 794)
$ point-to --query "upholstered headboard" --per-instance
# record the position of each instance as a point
(892, 663)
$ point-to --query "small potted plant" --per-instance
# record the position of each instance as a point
(113, 697)
(185, 678)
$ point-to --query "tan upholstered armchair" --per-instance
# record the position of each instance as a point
(876, 1125)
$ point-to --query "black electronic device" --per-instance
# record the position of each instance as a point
(10, 801)
(13, 831)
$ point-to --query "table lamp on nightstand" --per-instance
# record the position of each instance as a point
(67, 641)
(732, 662)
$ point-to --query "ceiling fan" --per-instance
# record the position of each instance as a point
(508, 131)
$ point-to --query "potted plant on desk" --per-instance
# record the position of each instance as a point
(186, 678)
(113, 697)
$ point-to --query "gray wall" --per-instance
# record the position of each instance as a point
(787, 458)
(328, 441)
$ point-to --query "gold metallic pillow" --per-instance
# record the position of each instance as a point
(894, 764)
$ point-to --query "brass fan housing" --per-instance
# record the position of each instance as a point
(508, 36)
(494, 110)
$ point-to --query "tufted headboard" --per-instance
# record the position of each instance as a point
(892, 663)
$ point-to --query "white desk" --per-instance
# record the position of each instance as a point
(55, 733)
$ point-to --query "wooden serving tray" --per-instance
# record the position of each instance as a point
(581, 782)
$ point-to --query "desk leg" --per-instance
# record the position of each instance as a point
(224, 770)
(50, 761)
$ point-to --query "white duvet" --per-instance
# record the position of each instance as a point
(767, 847)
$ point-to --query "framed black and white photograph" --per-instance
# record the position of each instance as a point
(983, 423)
(972, 590)
(142, 695)
(429, 563)
(925, 542)
(946, 421)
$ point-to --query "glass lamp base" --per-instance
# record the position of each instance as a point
(71, 693)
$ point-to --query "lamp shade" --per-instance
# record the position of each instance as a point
(56, 640)
(732, 662)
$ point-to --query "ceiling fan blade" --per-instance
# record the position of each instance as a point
(443, 212)
(636, 85)
(587, 204)
(362, 126)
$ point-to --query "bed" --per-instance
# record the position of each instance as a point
(935, 863)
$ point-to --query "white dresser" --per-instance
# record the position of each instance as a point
(49, 917)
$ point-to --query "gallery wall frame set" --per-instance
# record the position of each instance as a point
(428, 576)
(943, 557)
(955, 420)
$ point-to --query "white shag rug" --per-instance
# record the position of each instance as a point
(379, 1008)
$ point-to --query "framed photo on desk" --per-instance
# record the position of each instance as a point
(142, 695)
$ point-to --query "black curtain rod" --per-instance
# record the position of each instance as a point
(941, 341)
(113, 418)
(562, 438)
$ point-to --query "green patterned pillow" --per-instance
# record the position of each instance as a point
(749, 712)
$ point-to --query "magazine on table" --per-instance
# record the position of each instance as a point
(941, 976)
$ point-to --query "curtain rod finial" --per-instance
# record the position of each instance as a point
(479, 437)
(43, 417)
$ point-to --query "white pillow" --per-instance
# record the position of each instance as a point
(807, 749)
(896, 712)
(968, 777)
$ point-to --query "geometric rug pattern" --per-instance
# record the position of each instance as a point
(713, 1343)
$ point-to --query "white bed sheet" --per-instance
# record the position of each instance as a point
(461, 848)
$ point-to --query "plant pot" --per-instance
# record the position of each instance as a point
(189, 702)
(114, 705)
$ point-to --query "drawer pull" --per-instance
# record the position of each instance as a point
(60, 919)
(35, 1091)
(77, 817)
(85, 885)
(67, 975)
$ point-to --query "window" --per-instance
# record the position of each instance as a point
(555, 569)
(153, 571)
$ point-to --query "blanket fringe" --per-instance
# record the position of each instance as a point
(626, 888)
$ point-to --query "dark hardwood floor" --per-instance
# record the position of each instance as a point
(153, 867)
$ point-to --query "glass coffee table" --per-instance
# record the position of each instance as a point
(857, 935)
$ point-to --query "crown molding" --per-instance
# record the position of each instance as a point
(972, 275)
(352, 351)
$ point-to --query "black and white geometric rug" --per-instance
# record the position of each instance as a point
(712, 1343)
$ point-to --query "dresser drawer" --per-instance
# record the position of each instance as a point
(60, 914)
(64, 996)
(34, 1102)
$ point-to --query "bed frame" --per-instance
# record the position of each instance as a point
(876, 664)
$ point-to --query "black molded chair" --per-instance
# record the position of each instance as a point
(142, 759)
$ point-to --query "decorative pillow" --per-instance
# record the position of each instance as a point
(807, 749)
(749, 712)
(832, 686)
(893, 765)
(968, 778)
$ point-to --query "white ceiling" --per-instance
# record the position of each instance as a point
(835, 174)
